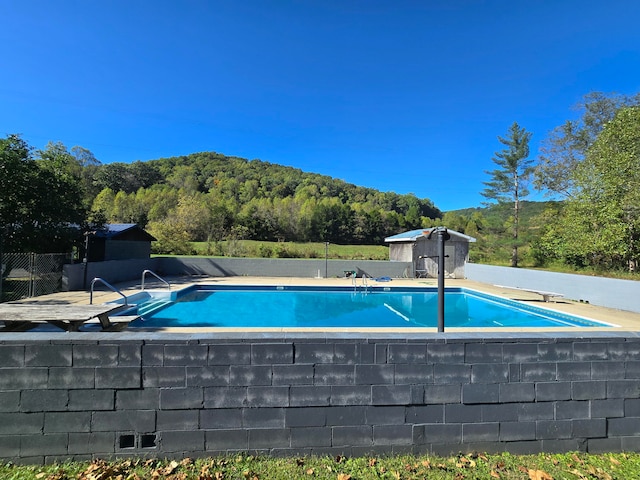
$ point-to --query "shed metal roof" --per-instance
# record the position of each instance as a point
(413, 235)
(112, 230)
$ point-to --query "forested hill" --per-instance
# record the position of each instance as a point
(211, 196)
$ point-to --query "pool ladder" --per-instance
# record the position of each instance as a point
(364, 285)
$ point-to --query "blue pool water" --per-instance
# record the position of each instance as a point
(239, 307)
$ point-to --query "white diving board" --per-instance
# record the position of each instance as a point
(546, 296)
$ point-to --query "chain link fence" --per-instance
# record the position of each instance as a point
(25, 275)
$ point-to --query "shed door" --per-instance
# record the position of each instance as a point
(449, 260)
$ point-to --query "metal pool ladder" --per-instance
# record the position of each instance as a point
(109, 286)
(365, 284)
(144, 273)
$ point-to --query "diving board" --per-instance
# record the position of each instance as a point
(67, 317)
(546, 296)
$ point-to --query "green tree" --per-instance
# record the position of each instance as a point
(509, 182)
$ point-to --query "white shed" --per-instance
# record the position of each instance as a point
(421, 249)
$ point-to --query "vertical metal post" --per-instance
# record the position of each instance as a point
(326, 259)
(441, 240)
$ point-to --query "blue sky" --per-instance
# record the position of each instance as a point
(404, 96)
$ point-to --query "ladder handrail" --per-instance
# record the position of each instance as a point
(365, 284)
(155, 275)
(109, 286)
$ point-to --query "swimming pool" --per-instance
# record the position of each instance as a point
(340, 307)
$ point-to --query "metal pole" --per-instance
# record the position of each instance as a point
(441, 240)
(326, 259)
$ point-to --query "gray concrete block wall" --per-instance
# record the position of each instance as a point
(108, 394)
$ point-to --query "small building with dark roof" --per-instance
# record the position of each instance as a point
(421, 249)
(119, 241)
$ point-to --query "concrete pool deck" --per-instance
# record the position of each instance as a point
(623, 320)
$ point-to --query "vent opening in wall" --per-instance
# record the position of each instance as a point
(148, 440)
(127, 441)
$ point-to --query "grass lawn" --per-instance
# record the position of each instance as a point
(474, 466)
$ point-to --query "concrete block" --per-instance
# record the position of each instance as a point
(181, 441)
(520, 352)
(451, 353)
(572, 409)
(306, 417)
(177, 420)
(517, 392)
(425, 414)
(93, 400)
(632, 370)
(66, 422)
(164, 377)
(130, 355)
(181, 398)
(447, 374)
(183, 355)
(538, 372)
(374, 374)
(367, 353)
(609, 408)
(10, 401)
(439, 433)
(292, 375)
(355, 415)
(381, 351)
(118, 377)
(480, 432)
(555, 352)
(623, 389)
(95, 355)
(246, 375)
(9, 447)
(351, 395)
(263, 417)
(147, 399)
(42, 355)
(549, 391)
(310, 437)
(43, 400)
(483, 353)
(563, 445)
(269, 438)
(123, 421)
(91, 443)
(152, 355)
(222, 440)
(21, 423)
(536, 411)
(588, 390)
(391, 395)
(71, 378)
(271, 353)
(268, 396)
(407, 353)
(490, 373)
(221, 418)
(553, 429)
(623, 427)
(501, 412)
(350, 354)
(327, 374)
(607, 370)
(23, 378)
(231, 354)
(590, 428)
(462, 413)
(589, 351)
(47, 444)
(385, 415)
(436, 394)
(392, 434)
(314, 353)
(517, 431)
(630, 444)
(574, 371)
(12, 355)
(348, 436)
(308, 396)
(480, 393)
(208, 376)
(604, 445)
(413, 374)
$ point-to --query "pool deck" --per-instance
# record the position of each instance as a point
(623, 320)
